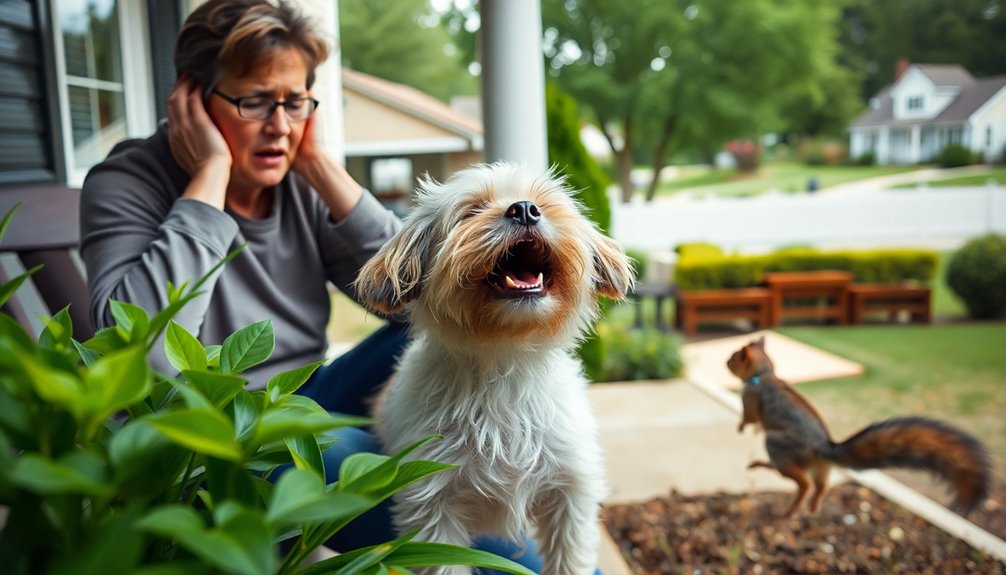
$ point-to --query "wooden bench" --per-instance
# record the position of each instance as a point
(813, 294)
(46, 230)
(659, 292)
(891, 299)
(700, 306)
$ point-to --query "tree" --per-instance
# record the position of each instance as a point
(875, 35)
(402, 41)
(672, 76)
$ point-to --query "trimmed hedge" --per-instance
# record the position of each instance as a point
(702, 269)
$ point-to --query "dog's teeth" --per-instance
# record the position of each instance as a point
(541, 278)
(510, 283)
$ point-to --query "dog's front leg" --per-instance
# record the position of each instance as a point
(567, 530)
(437, 523)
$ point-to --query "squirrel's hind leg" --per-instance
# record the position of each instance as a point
(820, 473)
(799, 475)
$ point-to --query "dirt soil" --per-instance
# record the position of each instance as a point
(856, 531)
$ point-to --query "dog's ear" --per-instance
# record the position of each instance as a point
(612, 270)
(394, 276)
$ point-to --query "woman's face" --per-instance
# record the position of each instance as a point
(262, 151)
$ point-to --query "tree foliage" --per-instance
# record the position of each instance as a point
(671, 76)
(875, 35)
(402, 41)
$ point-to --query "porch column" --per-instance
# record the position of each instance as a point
(914, 149)
(513, 82)
(883, 146)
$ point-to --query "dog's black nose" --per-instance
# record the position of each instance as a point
(524, 212)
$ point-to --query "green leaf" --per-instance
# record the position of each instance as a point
(7, 218)
(410, 472)
(219, 388)
(7, 290)
(300, 497)
(247, 347)
(244, 412)
(359, 465)
(213, 355)
(424, 554)
(58, 330)
(119, 378)
(132, 319)
(144, 460)
(282, 422)
(113, 546)
(172, 521)
(283, 384)
(54, 385)
(88, 356)
(306, 453)
(249, 530)
(193, 398)
(78, 472)
(106, 340)
(12, 331)
(367, 472)
(206, 432)
(183, 350)
(235, 549)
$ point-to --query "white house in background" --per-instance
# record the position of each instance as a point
(928, 107)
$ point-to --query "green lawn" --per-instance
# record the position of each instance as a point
(784, 176)
(997, 175)
(955, 372)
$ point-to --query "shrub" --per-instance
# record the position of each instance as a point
(103, 460)
(633, 355)
(977, 274)
(866, 159)
(955, 156)
(703, 269)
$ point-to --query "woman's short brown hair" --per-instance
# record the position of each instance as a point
(234, 35)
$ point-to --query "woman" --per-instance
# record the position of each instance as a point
(237, 163)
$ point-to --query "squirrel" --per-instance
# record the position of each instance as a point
(800, 447)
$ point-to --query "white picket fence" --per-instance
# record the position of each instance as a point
(941, 218)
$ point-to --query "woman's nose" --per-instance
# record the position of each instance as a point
(278, 123)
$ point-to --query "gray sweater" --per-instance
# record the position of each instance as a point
(137, 234)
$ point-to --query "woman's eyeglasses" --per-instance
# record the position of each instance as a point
(262, 108)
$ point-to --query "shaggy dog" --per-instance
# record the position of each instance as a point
(501, 272)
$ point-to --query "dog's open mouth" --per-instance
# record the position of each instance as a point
(523, 271)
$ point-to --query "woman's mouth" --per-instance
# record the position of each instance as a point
(270, 157)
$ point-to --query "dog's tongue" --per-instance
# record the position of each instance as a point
(522, 280)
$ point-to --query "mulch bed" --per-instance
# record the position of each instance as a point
(856, 531)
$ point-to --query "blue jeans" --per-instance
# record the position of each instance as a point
(345, 385)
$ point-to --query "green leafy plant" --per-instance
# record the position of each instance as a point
(634, 354)
(107, 466)
(977, 274)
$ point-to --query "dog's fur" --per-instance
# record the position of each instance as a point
(490, 368)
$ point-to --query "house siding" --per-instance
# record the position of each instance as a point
(994, 117)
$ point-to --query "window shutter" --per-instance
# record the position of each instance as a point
(30, 141)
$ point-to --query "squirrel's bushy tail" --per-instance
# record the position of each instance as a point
(920, 443)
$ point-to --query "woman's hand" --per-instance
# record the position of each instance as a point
(328, 177)
(197, 145)
(194, 139)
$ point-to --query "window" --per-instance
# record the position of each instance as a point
(915, 103)
(95, 93)
(988, 137)
(102, 62)
(391, 182)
